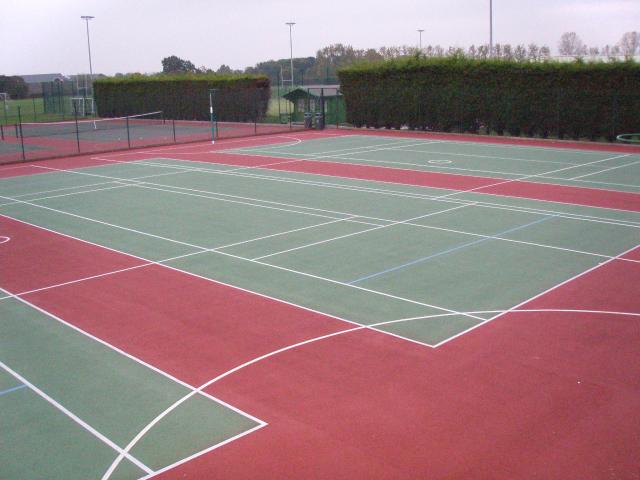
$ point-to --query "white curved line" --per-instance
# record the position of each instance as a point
(176, 404)
(4, 239)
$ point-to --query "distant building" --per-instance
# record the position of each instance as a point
(34, 82)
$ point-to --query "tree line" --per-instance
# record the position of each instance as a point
(328, 60)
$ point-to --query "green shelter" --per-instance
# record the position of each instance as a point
(310, 98)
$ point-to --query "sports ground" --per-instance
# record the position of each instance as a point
(337, 304)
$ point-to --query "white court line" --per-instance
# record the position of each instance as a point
(399, 222)
(465, 191)
(605, 170)
(128, 355)
(104, 439)
(158, 262)
(350, 214)
(492, 157)
(242, 258)
(515, 307)
(534, 176)
(480, 203)
(144, 431)
(431, 168)
(133, 179)
(4, 239)
(364, 148)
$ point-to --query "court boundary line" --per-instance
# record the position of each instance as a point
(212, 196)
(131, 357)
(399, 222)
(148, 263)
(502, 180)
(606, 170)
(247, 260)
(304, 343)
(480, 203)
(595, 267)
(380, 191)
(76, 419)
(434, 168)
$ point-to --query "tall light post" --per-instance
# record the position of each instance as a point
(291, 24)
(491, 28)
(420, 30)
(86, 18)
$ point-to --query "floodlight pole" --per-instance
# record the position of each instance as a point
(420, 30)
(491, 28)
(86, 18)
(291, 24)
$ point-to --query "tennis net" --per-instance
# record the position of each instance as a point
(82, 127)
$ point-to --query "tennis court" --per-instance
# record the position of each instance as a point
(345, 304)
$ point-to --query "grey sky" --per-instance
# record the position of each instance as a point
(42, 36)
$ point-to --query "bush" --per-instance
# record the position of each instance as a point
(239, 98)
(576, 100)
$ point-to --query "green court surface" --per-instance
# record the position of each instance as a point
(84, 401)
(585, 168)
(424, 264)
(364, 251)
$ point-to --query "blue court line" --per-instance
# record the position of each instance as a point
(13, 389)
(449, 250)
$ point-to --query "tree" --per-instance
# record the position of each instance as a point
(571, 45)
(175, 64)
(545, 53)
(224, 70)
(520, 53)
(630, 44)
(14, 86)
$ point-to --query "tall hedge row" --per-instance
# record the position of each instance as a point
(577, 100)
(239, 98)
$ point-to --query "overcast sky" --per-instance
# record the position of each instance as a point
(47, 36)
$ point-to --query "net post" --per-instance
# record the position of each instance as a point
(173, 122)
(24, 157)
(128, 135)
(212, 115)
(255, 111)
(1, 132)
(322, 107)
(75, 116)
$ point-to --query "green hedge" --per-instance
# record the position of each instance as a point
(577, 100)
(240, 98)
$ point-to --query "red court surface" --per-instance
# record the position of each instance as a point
(529, 395)
(533, 394)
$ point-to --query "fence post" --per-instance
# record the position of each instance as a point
(174, 130)
(75, 116)
(255, 111)
(1, 132)
(35, 114)
(128, 136)
(24, 157)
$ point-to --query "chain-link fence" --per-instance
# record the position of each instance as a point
(23, 139)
